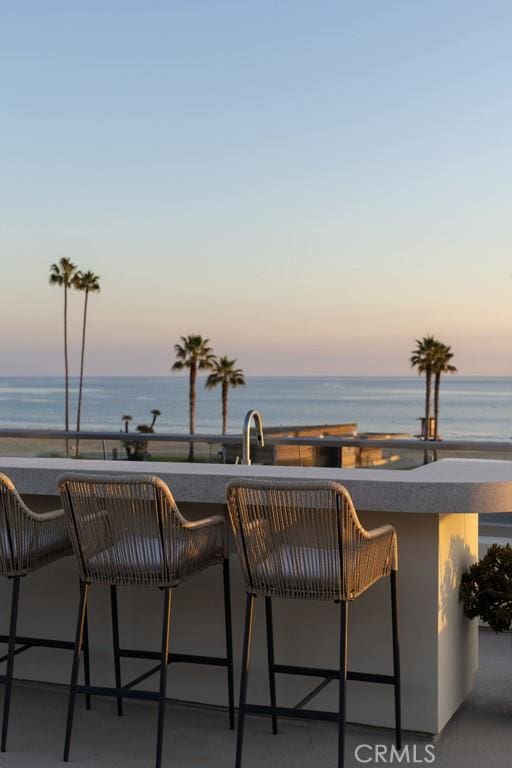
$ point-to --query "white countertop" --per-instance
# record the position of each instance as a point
(450, 485)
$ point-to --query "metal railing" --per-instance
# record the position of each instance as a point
(328, 441)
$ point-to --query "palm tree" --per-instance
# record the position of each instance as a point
(155, 413)
(442, 364)
(195, 354)
(225, 374)
(126, 418)
(422, 359)
(62, 274)
(87, 282)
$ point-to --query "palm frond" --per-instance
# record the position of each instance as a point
(86, 281)
(224, 372)
(62, 273)
(422, 357)
(193, 351)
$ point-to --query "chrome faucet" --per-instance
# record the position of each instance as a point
(246, 449)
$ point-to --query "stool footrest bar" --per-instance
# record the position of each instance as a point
(174, 658)
(40, 642)
(370, 677)
(16, 652)
(98, 690)
(333, 674)
(141, 678)
(308, 714)
(316, 690)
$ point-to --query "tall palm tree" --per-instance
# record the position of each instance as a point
(194, 354)
(226, 375)
(87, 282)
(442, 364)
(62, 274)
(422, 358)
(155, 413)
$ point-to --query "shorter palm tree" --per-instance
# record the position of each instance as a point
(141, 448)
(155, 413)
(422, 358)
(138, 449)
(195, 354)
(225, 375)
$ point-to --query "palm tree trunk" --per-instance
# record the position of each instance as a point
(66, 366)
(428, 388)
(224, 407)
(192, 407)
(82, 356)
(437, 388)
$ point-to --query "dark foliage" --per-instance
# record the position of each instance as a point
(486, 588)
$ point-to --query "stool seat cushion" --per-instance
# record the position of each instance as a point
(300, 571)
(147, 560)
(315, 573)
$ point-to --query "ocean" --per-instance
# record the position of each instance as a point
(477, 408)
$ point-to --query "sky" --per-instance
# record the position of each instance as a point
(311, 185)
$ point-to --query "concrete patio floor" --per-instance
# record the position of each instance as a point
(479, 735)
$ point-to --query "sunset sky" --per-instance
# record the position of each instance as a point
(312, 185)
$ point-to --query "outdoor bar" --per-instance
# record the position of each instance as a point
(435, 510)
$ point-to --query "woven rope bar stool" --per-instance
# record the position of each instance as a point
(28, 541)
(126, 531)
(304, 541)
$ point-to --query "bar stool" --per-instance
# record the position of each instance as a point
(304, 541)
(28, 541)
(126, 530)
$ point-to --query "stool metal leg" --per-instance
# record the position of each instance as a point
(84, 588)
(166, 629)
(87, 668)
(115, 639)
(246, 656)
(229, 641)
(10, 658)
(396, 662)
(342, 710)
(270, 656)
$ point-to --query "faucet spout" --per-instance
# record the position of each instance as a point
(250, 417)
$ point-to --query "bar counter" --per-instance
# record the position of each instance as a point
(435, 510)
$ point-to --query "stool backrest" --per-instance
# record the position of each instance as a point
(123, 528)
(297, 539)
(28, 539)
(11, 529)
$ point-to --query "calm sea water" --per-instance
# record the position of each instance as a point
(472, 407)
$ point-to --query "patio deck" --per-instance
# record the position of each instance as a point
(478, 736)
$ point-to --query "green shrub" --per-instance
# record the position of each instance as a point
(486, 588)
